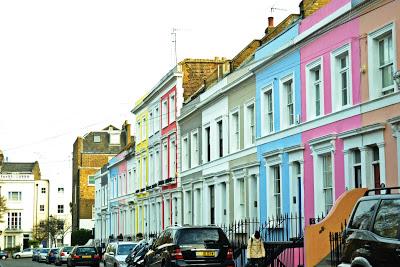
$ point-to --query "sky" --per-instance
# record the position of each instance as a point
(71, 67)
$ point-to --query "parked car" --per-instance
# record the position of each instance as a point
(117, 252)
(372, 237)
(3, 254)
(51, 255)
(26, 253)
(136, 258)
(43, 254)
(35, 254)
(131, 256)
(83, 256)
(62, 255)
(189, 246)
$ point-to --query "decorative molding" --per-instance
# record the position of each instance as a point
(362, 130)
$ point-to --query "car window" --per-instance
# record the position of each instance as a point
(387, 219)
(85, 251)
(124, 249)
(363, 214)
(44, 251)
(67, 249)
(200, 236)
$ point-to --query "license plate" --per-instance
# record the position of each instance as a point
(86, 257)
(205, 253)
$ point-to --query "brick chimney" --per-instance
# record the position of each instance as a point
(270, 25)
(127, 129)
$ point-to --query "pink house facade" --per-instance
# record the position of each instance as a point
(350, 128)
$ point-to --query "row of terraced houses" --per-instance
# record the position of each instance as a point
(297, 118)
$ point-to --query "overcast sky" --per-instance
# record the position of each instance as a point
(70, 67)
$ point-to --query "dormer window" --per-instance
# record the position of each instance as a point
(114, 139)
(96, 138)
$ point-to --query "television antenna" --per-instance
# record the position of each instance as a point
(173, 36)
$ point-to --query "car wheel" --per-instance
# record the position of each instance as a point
(17, 256)
(3, 257)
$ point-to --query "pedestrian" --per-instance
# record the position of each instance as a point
(255, 250)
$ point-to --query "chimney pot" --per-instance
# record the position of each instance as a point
(270, 21)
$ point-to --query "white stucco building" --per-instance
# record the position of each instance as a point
(27, 201)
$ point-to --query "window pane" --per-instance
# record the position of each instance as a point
(382, 52)
(387, 76)
(343, 62)
(357, 156)
(363, 214)
(388, 220)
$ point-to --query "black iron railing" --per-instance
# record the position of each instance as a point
(336, 242)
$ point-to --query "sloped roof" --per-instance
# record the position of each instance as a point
(17, 167)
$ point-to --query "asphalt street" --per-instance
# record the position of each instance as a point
(25, 263)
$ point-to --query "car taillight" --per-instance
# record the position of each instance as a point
(76, 257)
(62, 254)
(229, 254)
(177, 254)
(96, 257)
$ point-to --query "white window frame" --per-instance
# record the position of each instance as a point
(310, 86)
(336, 72)
(144, 134)
(143, 167)
(375, 89)
(172, 157)
(172, 105)
(194, 149)
(265, 113)
(96, 138)
(138, 130)
(319, 148)
(18, 194)
(151, 123)
(156, 119)
(89, 184)
(204, 142)
(284, 118)
(151, 167)
(324, 188)
(235, 133)
(247, 129)
(164, 113)
(185, 152)
(115, 138)
(157, 161)
(217, 121)
(164, 160)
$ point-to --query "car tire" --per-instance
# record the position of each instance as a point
(17, 256)
(3, 257)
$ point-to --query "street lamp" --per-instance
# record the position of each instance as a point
(396, 78)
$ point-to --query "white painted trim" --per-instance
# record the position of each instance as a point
(371, 105)
(185, 165)
(335, 85)
(310, 95)
(373, 74)
(192, 133)
(268, 87)
(282, 97)
(246, 130)
(234, 111)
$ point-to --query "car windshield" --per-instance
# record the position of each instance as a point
(45, 250)
(85, 251)
(200, 236)
(67, 249)
(125, 248)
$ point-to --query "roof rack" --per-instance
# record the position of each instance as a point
(388, 190)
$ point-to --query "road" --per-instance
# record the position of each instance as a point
(25, 263)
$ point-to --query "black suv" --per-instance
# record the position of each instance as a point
(372, 237)
(190, 245)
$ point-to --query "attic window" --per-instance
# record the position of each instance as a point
(114, 139)
(97, 139)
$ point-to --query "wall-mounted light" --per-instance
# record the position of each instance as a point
(396, 78)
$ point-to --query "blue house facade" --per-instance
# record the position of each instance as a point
(278, 108)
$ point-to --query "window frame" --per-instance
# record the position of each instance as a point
(185, 152)
(374, 75)
(310, 86)
(164, 113)
(284, 112)
(194, 149)
(171, 108)
(235, 133)
(267, 115)
(88, 180)
(249, 132)
(336, 71)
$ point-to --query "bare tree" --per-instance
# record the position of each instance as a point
(3, 208)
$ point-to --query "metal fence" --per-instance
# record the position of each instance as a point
(282, 235)
(336, 242)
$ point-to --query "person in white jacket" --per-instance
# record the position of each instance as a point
(255, 250)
